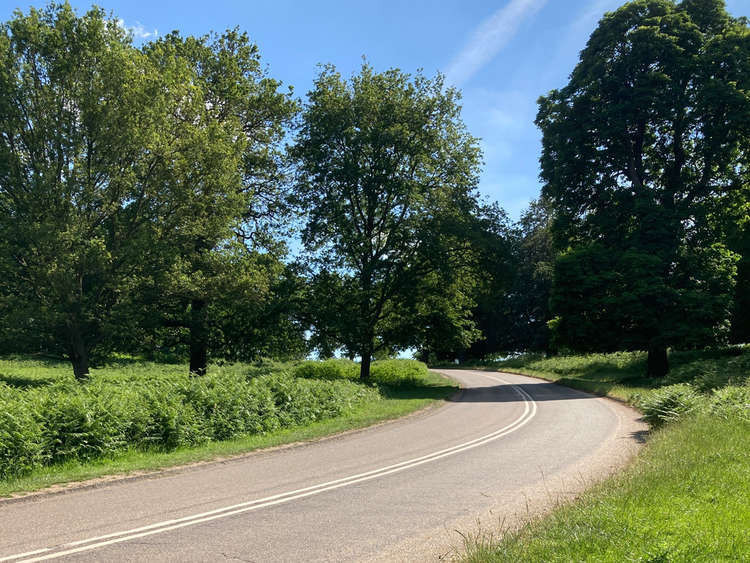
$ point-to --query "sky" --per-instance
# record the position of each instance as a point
(503, 55)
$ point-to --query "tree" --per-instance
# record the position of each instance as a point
(252, 310)
(120, 165)
(732, 214)
(487, 272)
(513, 314)
(387, 172)
(229, 208)
(514, 266)
(86, 171)
(608, 301)
(653, 125)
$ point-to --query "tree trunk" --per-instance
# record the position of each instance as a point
(198, 337)
(77, 352)
(364, 366)
(658, 363)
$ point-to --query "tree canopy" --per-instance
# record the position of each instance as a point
(653, 126)
(119, 165)
(87, 152)
(387, 171)
(147, 198)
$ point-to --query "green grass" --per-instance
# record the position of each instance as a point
(622, 375)
(380, 403)
(686, 497)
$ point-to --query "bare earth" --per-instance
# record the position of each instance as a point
(506, 448)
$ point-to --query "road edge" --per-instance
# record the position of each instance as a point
(536, 500)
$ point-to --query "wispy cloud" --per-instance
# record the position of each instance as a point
(489, 38)
(137, 30)
(585, 22)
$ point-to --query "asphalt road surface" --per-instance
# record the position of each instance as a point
(506, 447)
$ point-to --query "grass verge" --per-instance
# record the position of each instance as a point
(622, 375)
(685, 497)
(393, 401)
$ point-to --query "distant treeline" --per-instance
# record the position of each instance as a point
(148, 195)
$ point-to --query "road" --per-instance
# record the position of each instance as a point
(507, 446)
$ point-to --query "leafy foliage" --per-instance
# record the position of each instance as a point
(384, 372)
(668, 404)
(620, 301)
(650, 132)
(87, 161)
(386, 175)
(64, 420)
(223, 217)
(130, 177)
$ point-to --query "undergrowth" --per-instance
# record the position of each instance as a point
(48, 418)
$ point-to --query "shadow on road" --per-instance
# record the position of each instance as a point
(506, 393)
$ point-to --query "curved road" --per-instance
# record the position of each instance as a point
(505, 447)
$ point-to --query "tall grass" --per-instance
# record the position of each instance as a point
(47, 418)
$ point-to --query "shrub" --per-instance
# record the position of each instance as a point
(69, 421)
(21, 438)
(79, 423)
(731, 402)
(668, 403)
(162, 418)
(328, 369)
(730, 368)
(227, 405)
(398, 372)
(301, 402)
(384, 372)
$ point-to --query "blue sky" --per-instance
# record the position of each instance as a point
(502, 54)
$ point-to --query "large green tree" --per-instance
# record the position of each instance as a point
(224, 210)
(387, 173)
(513, 309)
(652, 127)
(88, 144)
(123, 167)
(515, 265)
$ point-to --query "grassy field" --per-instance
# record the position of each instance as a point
(622, 375)
(136, 416)
(687, 495)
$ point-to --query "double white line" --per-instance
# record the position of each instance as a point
(88, 544)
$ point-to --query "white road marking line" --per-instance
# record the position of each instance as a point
(35, 552)
(530, 409)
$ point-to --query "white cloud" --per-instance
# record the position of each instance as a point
(489, 38)
(137, 30)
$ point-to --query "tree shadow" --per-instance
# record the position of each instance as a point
(21, 382)
(640, 436)
(419, 391)
(505, 393)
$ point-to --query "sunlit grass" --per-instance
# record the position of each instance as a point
(686, 497)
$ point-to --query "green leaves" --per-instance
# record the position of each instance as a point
(111, 413)
(386, 169)
(83, 164)
(648, 135)
(120, 166)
